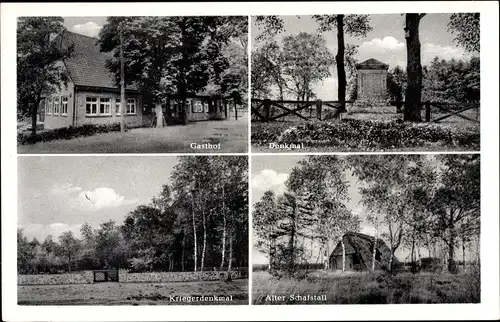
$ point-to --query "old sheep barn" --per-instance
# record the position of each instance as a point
(359, 253)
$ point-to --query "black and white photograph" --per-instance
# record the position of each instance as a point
(378, 82)
(132, 230)
(184, 80)
(366, 229)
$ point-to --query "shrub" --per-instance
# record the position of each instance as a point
(350, 134)
(66, 133)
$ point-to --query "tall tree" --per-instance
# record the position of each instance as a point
(264, 218)
(413, 68)
(70, 247)
(39, 62)
(456, 201)
(465, 27)
(306, 60)
(352, 25)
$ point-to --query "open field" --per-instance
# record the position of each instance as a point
(330, 287)
(132, 293)
(231, 134)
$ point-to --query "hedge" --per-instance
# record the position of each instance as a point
(350, 134)
(66, 133)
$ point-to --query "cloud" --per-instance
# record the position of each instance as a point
(100, 198)
(90, 29)
(65, 188)
(270, 179)
(429, 51)
(393, 52)
(387, 44)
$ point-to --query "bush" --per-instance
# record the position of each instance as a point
(66, 133)
(350, 134)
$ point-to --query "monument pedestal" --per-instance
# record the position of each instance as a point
(372, 88)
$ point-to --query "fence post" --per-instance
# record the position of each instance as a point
(267, 109)
(427, 111)
(399, 104)
(319, 104)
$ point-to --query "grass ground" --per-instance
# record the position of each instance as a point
(232, 134)
(131, 293)
(272, 132)
(366, 288)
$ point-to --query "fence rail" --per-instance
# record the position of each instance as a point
(267, 110)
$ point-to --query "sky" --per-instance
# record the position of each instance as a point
(88, 26)
(385, 42)
(57, 194)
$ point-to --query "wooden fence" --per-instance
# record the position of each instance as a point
(267, 110)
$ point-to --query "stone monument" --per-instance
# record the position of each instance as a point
(372, 88)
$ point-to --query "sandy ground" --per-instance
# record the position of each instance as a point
(231, 134)
(132, 293)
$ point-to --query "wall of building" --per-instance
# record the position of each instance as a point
(194, 115)
(134, 120)
(54, 121)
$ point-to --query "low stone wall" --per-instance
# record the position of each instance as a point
(85, 277)
(164, 277)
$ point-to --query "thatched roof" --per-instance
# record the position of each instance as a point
(362, 245)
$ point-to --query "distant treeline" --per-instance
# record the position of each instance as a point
(198, 222)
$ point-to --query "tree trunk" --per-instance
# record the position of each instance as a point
(374, 250)
(452, 265)
(159, 115)
(194, 239)
(413, 69)
(69, 263)
(122, 84)
(204, 241)
(343, 254)
(391, 258)
(463, 252)
(223, 230)
(339, 59)
(182, 252)
(230, 259)
(34, 110)
(413, 268)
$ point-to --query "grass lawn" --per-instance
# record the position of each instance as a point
(232, 134)
(367, 288)
(131, 293)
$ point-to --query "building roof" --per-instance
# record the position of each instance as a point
(361, 244)
(372, 63)
(87, 66)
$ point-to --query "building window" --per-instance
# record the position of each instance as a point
(49, 105)
(91, 105)
(64, 105)
(56, 105)
(105, 106)
(117, 106)
(131, 106)
(205, 105)
(197, 107)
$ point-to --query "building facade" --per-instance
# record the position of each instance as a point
(91, 95)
